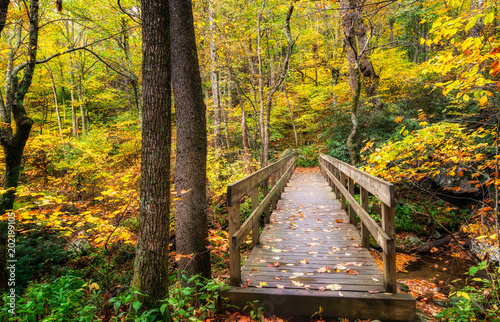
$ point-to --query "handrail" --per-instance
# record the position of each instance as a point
(278, 174)
(337, 173)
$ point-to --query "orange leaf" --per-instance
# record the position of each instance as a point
(339, 220)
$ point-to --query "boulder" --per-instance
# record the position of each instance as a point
(412, 242)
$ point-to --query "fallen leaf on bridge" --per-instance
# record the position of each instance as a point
(333, 287)
(324, 269)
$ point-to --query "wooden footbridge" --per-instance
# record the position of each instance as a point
(309, 257)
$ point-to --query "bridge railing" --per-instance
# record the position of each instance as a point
(274, 176)
(342, 177)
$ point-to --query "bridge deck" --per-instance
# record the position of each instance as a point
(310, 256)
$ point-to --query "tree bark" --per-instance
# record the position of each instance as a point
(4, 6)
(13, 140)
(214, 81)
(56, 103)
(74, 117)
(357, 42)
(291, 116)
(264, 146)
(151, 262)
(190, 166)
(81, 100)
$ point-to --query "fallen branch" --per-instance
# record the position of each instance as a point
(427, 247)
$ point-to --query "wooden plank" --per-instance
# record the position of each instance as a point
(382, 189)
(234, 249)
(239, 189)
(365, 234)
(389, 258)
(353, 305)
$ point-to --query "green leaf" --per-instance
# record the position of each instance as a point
(117, 305)
(136, 305)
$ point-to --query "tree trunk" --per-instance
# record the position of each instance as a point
(357, 42)
(74, 117)
(81, 100)
(214, 82)
(225, 111)
(151, 261)
(63, 94)
(132, 78)
(190, 165)
(350, 18)
(264, 146)
(4, 5)
(56, 103)
(291, 116)
(275, 86)
(13, 140)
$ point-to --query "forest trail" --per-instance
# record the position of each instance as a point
(309, 243)
(309, 257)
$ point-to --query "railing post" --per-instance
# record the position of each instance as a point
(265, 192)
(335, 172)
(352, 214)
(234, 250)
(365, 235)
(273, 183)
(390, 256)
(343, 198)
(254, 195)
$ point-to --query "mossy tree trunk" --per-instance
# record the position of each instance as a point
(13, 138)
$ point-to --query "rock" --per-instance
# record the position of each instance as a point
(80, 243)
(422, 317)
(403, 287)
(446, 181)
(437, 235)
(481, 249)
(412, 242)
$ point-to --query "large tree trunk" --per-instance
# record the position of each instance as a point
(13, 140)
(190, 166)
(357, 43)
(151, 262)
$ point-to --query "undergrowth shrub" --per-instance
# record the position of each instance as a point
(308, 156)
(479, 300)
